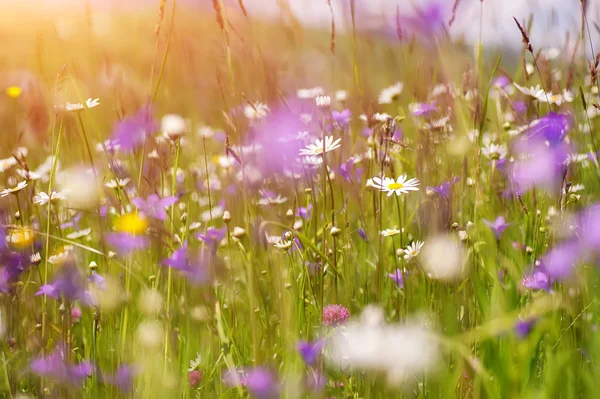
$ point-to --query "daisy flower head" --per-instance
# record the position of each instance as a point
(494, 151)
(402, 185)
(319, 146)
(533, 91)
(6, 192)
(89, 103)
(7, 163)
(413, 250)
(389, 232)
(42, 198)
(390, 94)
(256, 111)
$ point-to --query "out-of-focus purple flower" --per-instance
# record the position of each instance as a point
(315, 381)
(68, 283)
(97, 280)
(342, 118)
(334, 315)
(362, 234)
(428, 20)
(537, 280)
(14, 264)
(56, 366)
(559, 262)
(126, 243)
(524, 327)
(551, 128)
(193, 266)
(540, 166)
(260, 382)
(498, 226)
(397, 277)
(420, 109)
(519, 106)
(310, 350)
(132, 131)
(212, 237)
(501, 81)
(445, 189)
(75, 314)
(304, 212)
(122, 378)
(154, 206)
(73, 223)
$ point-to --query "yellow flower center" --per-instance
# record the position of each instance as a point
(21, 237)
(131, 223)
(395, 186)
(14, 91)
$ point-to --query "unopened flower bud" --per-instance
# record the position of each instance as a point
(335, 232)
(239, 232)
(226, 217)
(289, 214)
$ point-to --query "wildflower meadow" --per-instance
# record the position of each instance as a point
(196, 202)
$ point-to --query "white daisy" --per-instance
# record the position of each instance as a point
(195, 363)
(89, 103)
(7, 163)
(13, 190)
(390, 94)
(280, 243)
(118, 183)
(534, 91)
(173, 126)
(317, 148)
(399, 186)
(79, 234)
(389, 232)
(412, 250)
(323, 101)
(256, 111)
(565, 97)
(311, 93)
(268, 201)
(42, 198)
(495, 151)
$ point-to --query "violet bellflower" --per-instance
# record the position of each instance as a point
(192, 265)
(14, 264)
(133, 130)
(212, 237)
(343, 118)
(126, 243)
(122, 378)
(537, 280)
(309, 351)
(304, 212)
(260, 382)
(397, 277)
(154, 206)
(524, 327)
(56, 366)
(445, 189)
(498, 226)
(68, 283)
(560, 261)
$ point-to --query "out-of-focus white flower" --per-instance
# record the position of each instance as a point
(150, 301)
(173, 126)
(7, 163)
(89, 103)
(150, 333)
(323, 101)
(42, 172)
(268, 201)
(341, 95)
(318, 148)
(390, 94)
(120, 183)
(83, 187)
(495, 151)
(42, 198)
(443, 258)
(13, 190)
(311, 93)
(533, 91)
(256, 111)
(402, 351)
(79, 234)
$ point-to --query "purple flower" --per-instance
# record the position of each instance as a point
(551, 128)
(310, 350)
(342, 118)
(73, 223)
(559, 262)
(334, 315)
(193, 266)
(132, 131)
(537, 280)
(519, 106)
(68, 283)
(260, 382)
(122, 378)
(444, 190)
(212, 237)
(304, 212)
(501, 81)
(420, 109)
(15, 264)
(56, 366)
(397, 277)
(347, 168)
(126, 243)
(362, 234)
(179, 258)
(154, 206)
(540, 165)
(524, 327)
(97, 280)
(498, 226)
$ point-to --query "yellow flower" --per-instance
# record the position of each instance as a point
(131, 223)
(20, 237)
(14, 91)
